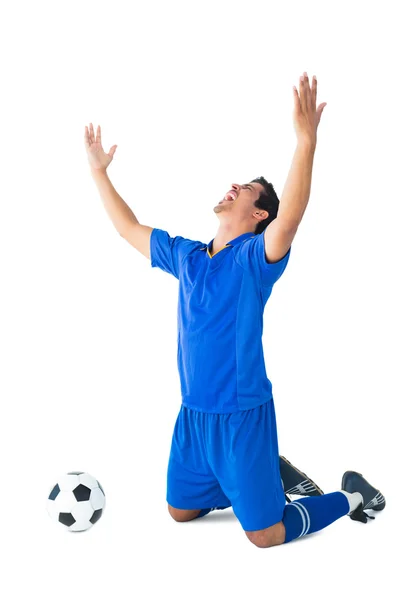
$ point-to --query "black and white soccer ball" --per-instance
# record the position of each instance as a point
(76, 501)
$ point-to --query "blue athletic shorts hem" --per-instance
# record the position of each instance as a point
(227, 459)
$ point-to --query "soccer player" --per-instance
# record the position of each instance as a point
(224, 449)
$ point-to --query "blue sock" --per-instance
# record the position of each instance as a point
(311, 514)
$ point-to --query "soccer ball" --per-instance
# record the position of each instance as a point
(77, 501)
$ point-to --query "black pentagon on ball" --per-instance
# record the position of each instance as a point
(96, 515)
(100, 487)
(66, 519)
(75, 473)
(81, 493)
(54, 492)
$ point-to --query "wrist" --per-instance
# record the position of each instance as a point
(98, 172)
(307, 142)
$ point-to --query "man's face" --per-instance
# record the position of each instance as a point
(239, 202)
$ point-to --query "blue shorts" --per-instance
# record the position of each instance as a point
(221, 460)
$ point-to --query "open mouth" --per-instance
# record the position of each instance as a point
(230, 197)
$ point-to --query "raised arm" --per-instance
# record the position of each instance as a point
(280, 232)
(124, 221)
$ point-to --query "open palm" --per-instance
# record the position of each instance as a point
(306, 115)
(98, 159)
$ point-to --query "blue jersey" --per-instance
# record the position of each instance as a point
(220, 318)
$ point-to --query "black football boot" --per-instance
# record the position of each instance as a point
(372, 498)
(296, 482)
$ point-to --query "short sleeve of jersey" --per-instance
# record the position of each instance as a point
(168, 252)
(250, 255)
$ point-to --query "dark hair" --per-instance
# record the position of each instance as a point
(268, 201)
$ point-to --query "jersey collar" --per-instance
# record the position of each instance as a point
(234, 242)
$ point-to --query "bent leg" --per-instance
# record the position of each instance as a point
(181, 516)
(247, 467)
(191, 483)
(302, 517)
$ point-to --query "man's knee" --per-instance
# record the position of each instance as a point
(265, 538)
(180, 515)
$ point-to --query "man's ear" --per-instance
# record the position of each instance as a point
(261, 215)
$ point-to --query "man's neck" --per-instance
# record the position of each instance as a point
(225, 235)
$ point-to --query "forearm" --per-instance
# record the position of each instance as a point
(296, 193)
(118, 211)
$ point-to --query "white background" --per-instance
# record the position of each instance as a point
(197, 96)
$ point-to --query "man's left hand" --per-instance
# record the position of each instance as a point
(306, 116)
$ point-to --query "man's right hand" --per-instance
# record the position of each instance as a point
(98, 159)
